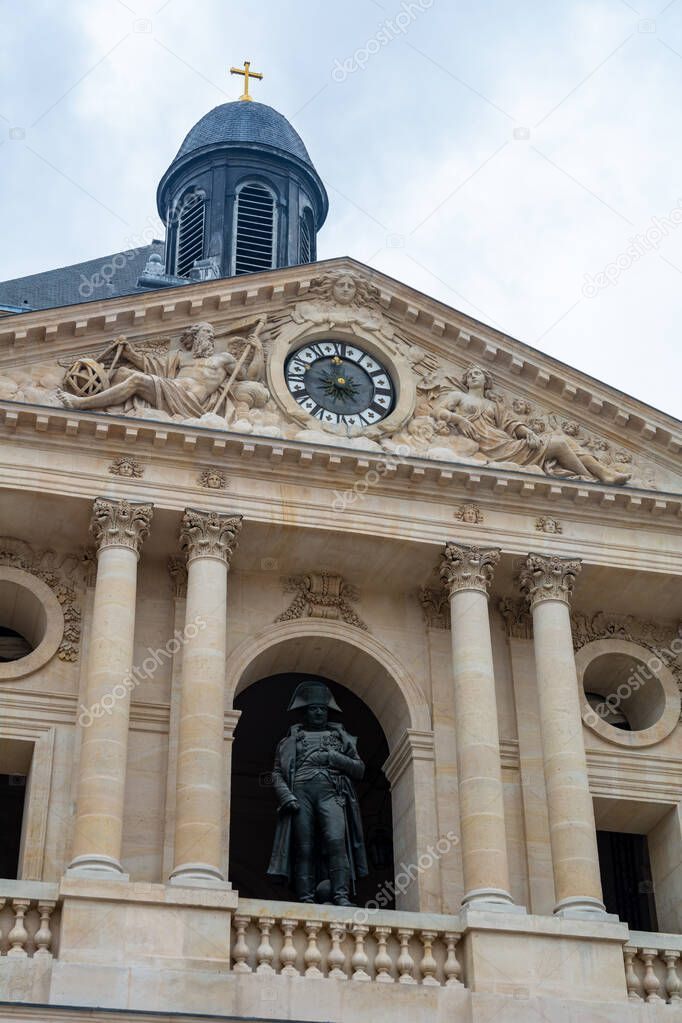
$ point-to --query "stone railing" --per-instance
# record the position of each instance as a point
(345, 943)
(29, 919)
(653, 967)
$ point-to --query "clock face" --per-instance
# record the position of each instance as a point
(339, 383)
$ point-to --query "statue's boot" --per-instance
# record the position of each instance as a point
(340, 882)
(305, 887)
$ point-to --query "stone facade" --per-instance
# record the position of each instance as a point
(177, 527)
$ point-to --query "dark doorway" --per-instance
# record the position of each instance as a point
(626, 878)
(12, 793)
(264, 721)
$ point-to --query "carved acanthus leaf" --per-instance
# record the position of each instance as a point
(208, 534)
(436, 607)
(177, 570)
(518, 620)
(465, 567)
(549, 577)
(120, 523)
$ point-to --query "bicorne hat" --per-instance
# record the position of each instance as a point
(314, 691)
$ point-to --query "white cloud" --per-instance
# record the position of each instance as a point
(511, 246)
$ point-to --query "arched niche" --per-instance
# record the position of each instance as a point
(264, 720)
(354, 659)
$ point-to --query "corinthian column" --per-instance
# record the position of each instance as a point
(119, 529)
(209, 539)
(467, 573)
(548, 582)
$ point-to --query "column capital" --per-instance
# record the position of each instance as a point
(120, 523)
(208, 534)
(464, 567)
(549, 577)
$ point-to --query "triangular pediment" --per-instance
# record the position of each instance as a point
(522, 410)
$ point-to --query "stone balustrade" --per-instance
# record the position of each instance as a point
(653, 967)
(383, 947)
(29, 919)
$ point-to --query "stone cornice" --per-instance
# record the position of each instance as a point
(413, 745)
(634, 775)
(66, 329)
(108, 433)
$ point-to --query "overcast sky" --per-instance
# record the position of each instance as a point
(499, 156)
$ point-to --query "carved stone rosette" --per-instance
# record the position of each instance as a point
(120, 523)
(208, 534)
(465, 567)
(549, 577)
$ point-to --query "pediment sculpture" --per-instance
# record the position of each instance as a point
(241, 376)
(188, 383)
(337, 301)
(468, 420)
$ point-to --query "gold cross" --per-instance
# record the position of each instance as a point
(247, 74)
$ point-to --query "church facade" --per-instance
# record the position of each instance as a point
(229, 469)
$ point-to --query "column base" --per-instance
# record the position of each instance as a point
(198, 875)
(105, 868)
(495, 900)
(583, 907)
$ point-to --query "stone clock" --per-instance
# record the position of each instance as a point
(340, 383)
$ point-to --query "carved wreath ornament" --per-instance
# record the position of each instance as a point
(57, 573)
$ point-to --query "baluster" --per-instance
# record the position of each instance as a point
(360, 960)
(43, 936)
(18, 936)
(651, 983)
(452, 969)
(673, 984)
(265, 953)
(634, 984)
(428, 965)
(336, 961)
(405, 961)
(382, 961)
(240, 952)
(287, 955)
(312, 957)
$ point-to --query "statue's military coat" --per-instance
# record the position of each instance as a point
(347, 763)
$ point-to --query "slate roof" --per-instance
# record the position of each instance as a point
(104, 277)
(245, 122)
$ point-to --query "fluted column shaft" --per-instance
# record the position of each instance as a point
(209, 539)
(467, 573)
(119, 529)
(548, 582)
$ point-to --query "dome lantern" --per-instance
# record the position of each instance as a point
(241, 195)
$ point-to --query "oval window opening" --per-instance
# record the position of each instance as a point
(13, 646)
(623, 691)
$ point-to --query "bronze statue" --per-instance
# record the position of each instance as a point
(319, 845)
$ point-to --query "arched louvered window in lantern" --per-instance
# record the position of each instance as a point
(306, 244)
(254, 247)
(189, 245)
